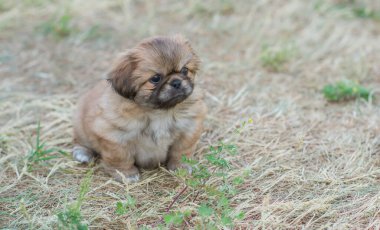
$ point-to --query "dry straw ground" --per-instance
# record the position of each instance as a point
(311, 164)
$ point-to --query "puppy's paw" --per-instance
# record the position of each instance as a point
(122, 178)
(176, 166)
(133, 178)
(82, 154)
(126, 176)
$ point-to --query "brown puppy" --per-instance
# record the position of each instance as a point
(146, 113)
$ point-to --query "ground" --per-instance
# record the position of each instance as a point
(301, 163)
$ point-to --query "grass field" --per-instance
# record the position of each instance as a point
(295, 160)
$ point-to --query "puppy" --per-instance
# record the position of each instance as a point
(146, 113)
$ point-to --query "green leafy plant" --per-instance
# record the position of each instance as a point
(366, 13)
(40, 154)
(123, 207)
(205, 211)
(344, 90)
(71, 217)
(212, 188)
(357, 9)
(274, 58)
(176, 218)
(59, 27)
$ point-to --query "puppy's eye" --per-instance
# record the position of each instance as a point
(184, 71)
(155, 79)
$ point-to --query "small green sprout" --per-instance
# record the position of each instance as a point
(176, 218)
(240, 215)
(205, 211)
(358, 9)
(71, 218)
(59, 27)
(238, 180)
(366, 13)
(123, 207)
(226, 220)
(275, 58)
(40, 154)
(344, 90)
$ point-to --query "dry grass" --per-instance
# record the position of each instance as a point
(311, 164)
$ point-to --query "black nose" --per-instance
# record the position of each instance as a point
(176, 83)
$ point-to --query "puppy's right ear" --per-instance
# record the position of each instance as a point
(121, 75)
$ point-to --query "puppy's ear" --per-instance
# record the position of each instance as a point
(195, 62)
(121, 75)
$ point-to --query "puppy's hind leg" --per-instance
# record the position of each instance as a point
(83, 154)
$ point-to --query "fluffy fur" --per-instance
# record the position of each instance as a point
(146, 113)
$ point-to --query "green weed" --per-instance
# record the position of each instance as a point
(223, 7)
(25, 213)
(354, 8)
(39, 155)
(274, 58)
(344, 90)
(59, 27)
(176, 218)
(124, 207)
(366, 13)
(71, 218)
(3, 144)
(212, 198)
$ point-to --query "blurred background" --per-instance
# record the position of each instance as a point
(59, 46)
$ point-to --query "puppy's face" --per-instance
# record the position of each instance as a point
(158, 73)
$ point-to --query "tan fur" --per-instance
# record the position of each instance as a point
(119, 120)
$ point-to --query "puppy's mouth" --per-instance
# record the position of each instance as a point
(174, 99)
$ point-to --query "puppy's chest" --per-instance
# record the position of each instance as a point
(151, 133)
(155, 137)
(159, 129)
(149, 137)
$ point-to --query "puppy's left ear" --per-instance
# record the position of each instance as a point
(121, 75)
(195, 61)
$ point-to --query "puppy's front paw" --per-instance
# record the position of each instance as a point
(82, 154)
(133, 178)
(176, 166)
(128, 176)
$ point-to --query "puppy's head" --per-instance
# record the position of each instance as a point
(158, 73)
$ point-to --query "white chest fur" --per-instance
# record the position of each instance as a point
(155, 138)
(148, 138)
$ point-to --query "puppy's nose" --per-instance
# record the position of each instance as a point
(176, 83)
